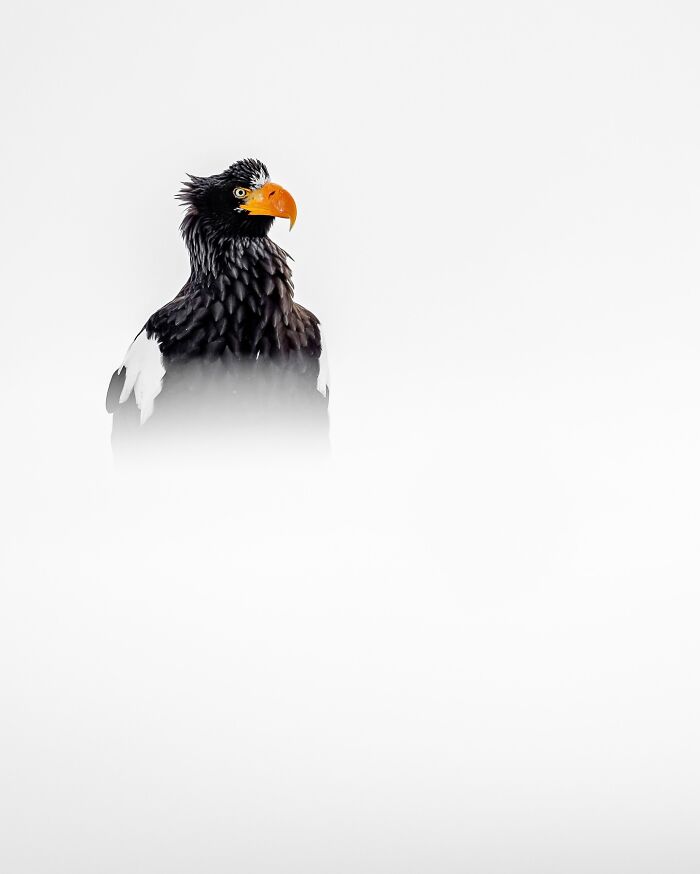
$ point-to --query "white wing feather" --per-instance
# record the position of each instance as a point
(144, 374)
(323, 381)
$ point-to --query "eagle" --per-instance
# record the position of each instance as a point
(232, 356)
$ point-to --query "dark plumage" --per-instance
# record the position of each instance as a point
(233, 350)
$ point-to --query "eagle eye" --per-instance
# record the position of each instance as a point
(240, 193)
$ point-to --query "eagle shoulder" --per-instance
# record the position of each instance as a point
(142, 373)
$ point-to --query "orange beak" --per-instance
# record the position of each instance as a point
(272, 200)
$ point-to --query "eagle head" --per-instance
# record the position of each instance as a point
(241, 201)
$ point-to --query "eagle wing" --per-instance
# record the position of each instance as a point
(140, 376)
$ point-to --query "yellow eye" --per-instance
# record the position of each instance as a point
(240, 193)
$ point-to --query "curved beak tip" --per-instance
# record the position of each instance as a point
(274, 201)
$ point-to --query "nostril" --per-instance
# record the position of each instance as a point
(272, 193)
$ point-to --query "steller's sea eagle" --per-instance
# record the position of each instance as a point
(232, 354)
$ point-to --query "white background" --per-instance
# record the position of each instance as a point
(470, 642)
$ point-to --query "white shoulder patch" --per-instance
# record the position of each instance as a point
(323, 381)
(144, 374)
